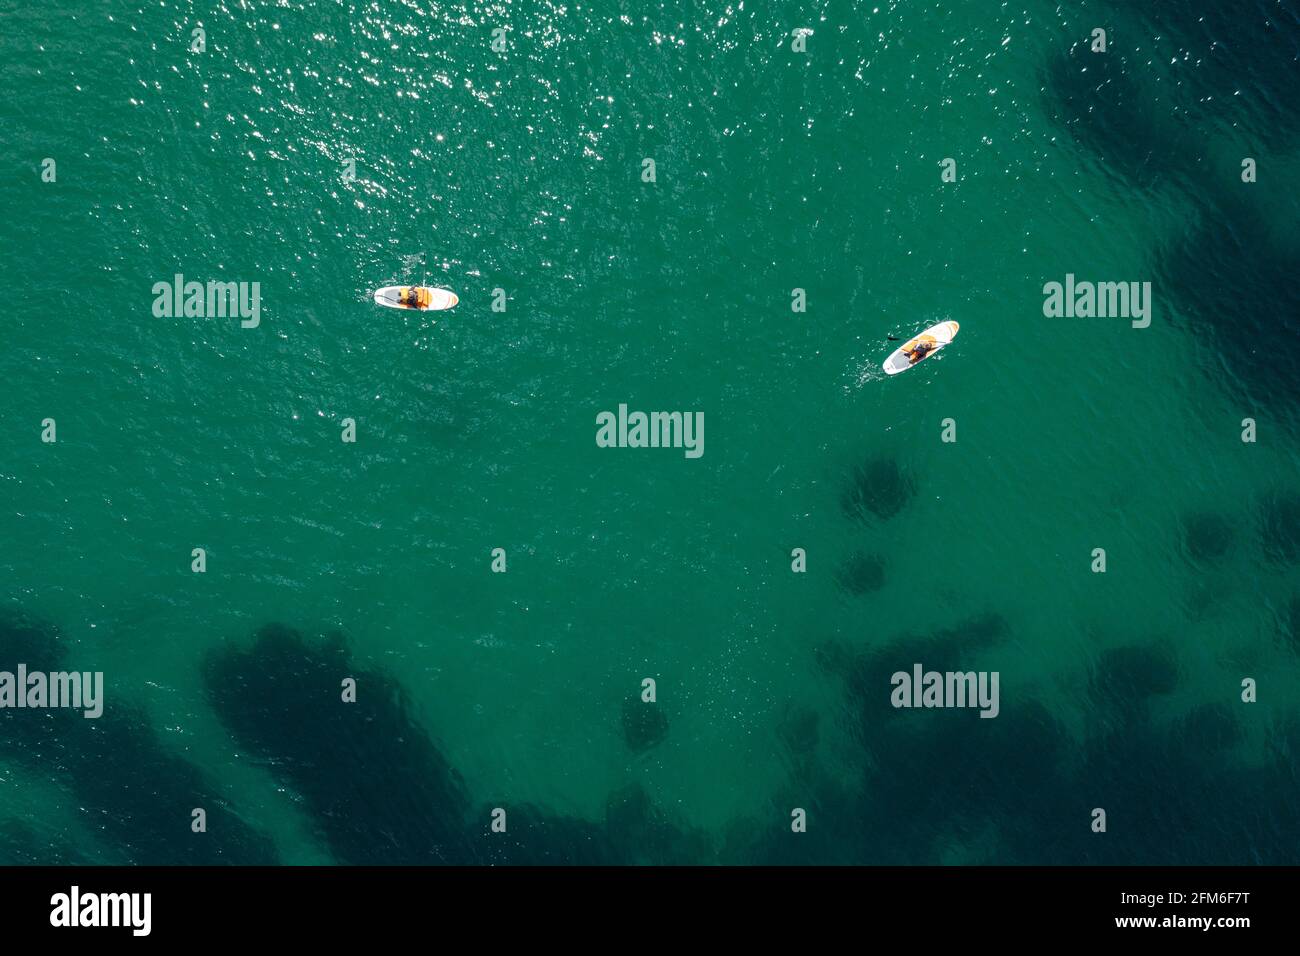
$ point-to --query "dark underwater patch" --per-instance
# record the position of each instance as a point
(861, 574)
(378, 789)
(1124, 679)
(1232, 272)
(1248, 60)
(646, 833)
(1211, 727)
(867, 676)
(1019, 789)
(644, 725)
(1280, 526)
(798, 733)
(879, 487)
(635, 830)
(1167, 803)
(1292, 623)
(1096, 100)
(797, 730)
(930, 779)
(1234, 280)
(1206, 535)
(127, 785)
(22, 845)
(536, 837)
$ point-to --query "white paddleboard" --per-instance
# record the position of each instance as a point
(937, 336)
(430, 300)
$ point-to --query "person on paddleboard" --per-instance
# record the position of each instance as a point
(412, 297)
(921, 350)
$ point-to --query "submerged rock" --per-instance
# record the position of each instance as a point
(644, 725)
(879, 486)
(1097, 100)
(380, 790)
(26, 641)
(1206, 535)
(645, 833)
(536, 837)
(861, 574)
(1125, 678)
(123, 779)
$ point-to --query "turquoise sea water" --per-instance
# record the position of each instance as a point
(776, 170)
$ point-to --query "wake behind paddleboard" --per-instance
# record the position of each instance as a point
(937, 336)
(428, 300)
